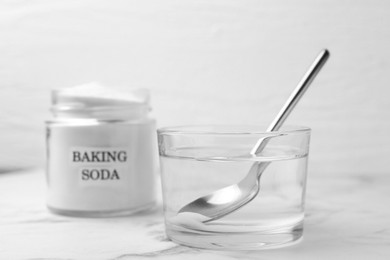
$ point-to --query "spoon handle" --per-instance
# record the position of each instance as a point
(294, 98)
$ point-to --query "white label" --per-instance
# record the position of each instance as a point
(100, 165)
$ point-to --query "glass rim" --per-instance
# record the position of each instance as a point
(228, 130)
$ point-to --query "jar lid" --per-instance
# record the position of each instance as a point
(93, 100)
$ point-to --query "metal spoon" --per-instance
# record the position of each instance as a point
(227, 200)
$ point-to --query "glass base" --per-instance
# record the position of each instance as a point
(274, 238)
(101, 214)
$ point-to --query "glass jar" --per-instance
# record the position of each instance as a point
(101, 153)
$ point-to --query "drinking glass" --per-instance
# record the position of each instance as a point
(198, 160)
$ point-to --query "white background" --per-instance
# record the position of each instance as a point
(214, 61)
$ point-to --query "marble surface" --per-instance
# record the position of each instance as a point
(348, 217)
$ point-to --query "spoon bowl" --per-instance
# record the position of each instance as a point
(230, 198)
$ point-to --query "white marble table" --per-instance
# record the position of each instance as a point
(348, 217)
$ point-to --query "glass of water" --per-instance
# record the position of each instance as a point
(198, 160)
